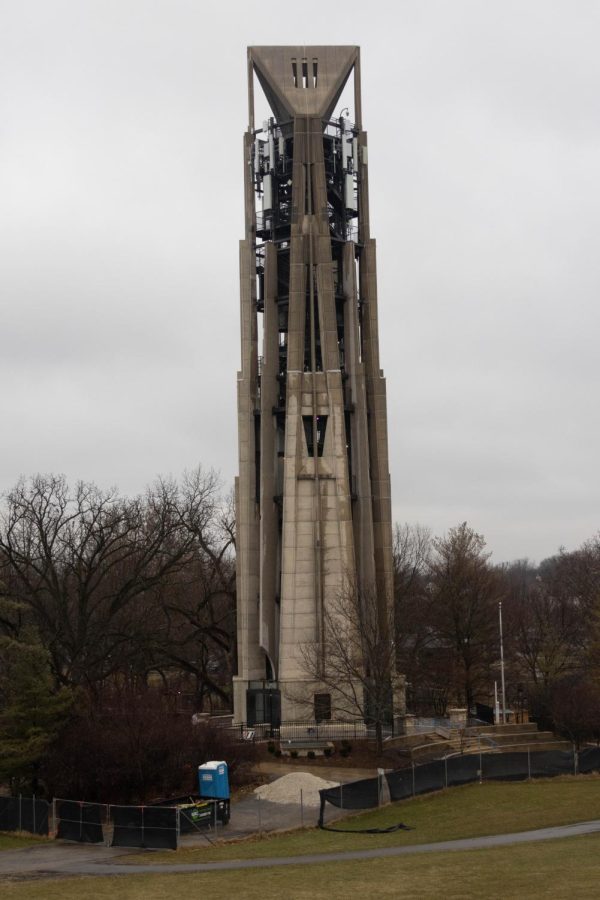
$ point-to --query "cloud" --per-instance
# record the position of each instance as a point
(121, 176)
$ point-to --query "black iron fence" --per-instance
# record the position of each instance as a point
(306, 730)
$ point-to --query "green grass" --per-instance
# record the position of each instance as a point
(10, 840)
(469, 811)
(556, 870)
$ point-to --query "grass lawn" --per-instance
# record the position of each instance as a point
(469, 811)
(9, 840)
(552, 869)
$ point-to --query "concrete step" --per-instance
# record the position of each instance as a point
(516, 737)
(510, 728)
(443, 748)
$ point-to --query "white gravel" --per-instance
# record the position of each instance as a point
(287, 789)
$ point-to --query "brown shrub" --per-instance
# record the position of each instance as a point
(132, 747)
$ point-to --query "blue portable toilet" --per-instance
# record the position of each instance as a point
(213, 780)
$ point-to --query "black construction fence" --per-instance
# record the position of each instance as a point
(98, 823)
(161, 826)
(145, 826)
(24, 814)
(452, 771)
(79, 821)
(157, 826)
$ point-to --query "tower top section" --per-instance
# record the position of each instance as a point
(301, 80)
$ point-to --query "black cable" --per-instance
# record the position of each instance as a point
(389, 830)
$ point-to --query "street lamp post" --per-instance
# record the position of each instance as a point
(502, 664)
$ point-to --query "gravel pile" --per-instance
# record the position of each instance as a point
(287, 789)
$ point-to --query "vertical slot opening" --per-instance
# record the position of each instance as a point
(315, 71)
(304, 73)
(307, 421)
(321, 423)
(257, 458)
(307, 335)
(294, 72)
(321, 429)
(307, 189)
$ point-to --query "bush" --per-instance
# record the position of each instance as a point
(294, 754)
(328, 751)
(346, 745)
(278, 753)
(311, 754)
(271, 747)
(130, 747)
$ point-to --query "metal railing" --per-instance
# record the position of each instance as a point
(472, 745)
(307, 730)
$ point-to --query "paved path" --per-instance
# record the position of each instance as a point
(253, 816)
(249, 817)
(84, 864)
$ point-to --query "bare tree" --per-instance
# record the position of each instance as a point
(198, 611)
(465, 590)
(575, 709)
(417, 642)
(553, 618)
(546, 634)
(87, 566)
(356, 660)
(411, 554)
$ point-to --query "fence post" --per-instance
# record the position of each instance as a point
(215, 804)
(446, 769)
(529, 763)
(54, 826)
(33, 813)
(301, 809)
(575, 760)
(178, 824)
(480, 762)
(143, 823)
(341, 795)
(20, 815)
(413, 778)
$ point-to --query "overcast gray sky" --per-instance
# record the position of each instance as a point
(121, 124)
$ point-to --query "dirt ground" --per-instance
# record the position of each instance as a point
(360, 758)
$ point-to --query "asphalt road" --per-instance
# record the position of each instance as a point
(81, 860)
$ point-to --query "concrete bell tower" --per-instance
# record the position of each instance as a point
(313, 492)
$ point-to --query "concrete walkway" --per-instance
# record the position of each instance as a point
(81, 861)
